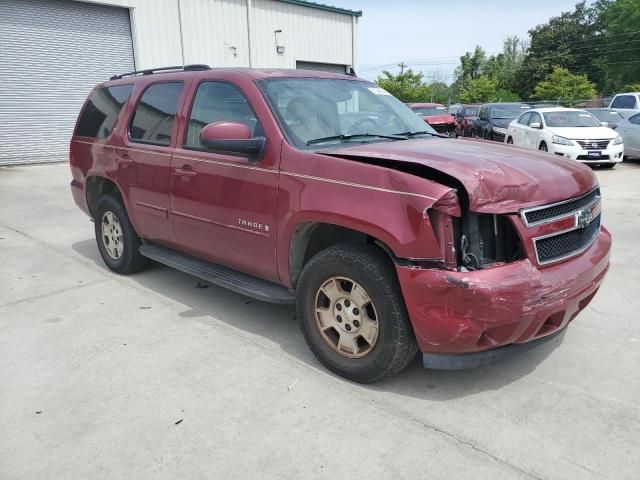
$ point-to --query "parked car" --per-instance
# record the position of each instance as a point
(388, 237)
(464, 120)
(607, 116)
(494, 118)
(626, 103)
(454, 108)
(567, 132)
(629, 130)
(437, 116)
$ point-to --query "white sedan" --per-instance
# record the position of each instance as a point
(568, 132)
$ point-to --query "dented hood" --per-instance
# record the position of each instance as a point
(498, 178)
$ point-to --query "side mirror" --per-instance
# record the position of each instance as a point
(535, 125)
(232, 138)
(604, 124)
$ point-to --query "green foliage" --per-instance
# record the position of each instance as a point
(483, 89)
(621, 44)
(565, 86)
(411, 87)
(407, 86)
(632, 87)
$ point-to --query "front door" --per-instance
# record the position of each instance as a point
(223, 207)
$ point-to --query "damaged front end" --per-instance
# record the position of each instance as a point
(520, 253)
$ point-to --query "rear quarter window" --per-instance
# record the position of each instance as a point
(98, 118)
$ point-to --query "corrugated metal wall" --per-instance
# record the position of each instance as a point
(308, 34)
(52, 53)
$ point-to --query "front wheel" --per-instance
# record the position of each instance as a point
(353, 315)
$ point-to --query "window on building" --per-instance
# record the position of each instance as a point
(101, 111)
(219, 102)
(155, 114)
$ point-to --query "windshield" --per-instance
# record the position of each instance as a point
(570, 119)
(426, 111)
(469, 112)
(508, 111)
(607, 115)
(311, 109)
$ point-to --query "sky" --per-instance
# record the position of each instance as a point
(437, 32)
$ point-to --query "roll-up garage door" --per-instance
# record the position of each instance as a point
(52, 53)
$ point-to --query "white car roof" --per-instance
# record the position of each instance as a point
(555, 109)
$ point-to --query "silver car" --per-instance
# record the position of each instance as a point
(629, 130)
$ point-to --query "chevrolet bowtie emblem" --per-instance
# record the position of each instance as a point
(584, 218)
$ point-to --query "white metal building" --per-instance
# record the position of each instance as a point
(52, 52)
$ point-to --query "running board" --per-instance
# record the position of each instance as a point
(218, 275)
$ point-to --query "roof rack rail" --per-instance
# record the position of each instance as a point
(150, 71)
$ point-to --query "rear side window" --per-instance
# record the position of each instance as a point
(101, 111)
(155, 114)
(635, 120)
(524, 119)
(219, 102)
(624, 101)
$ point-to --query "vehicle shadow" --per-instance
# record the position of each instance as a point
(266, 325)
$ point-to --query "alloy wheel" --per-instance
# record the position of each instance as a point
(346, 317)
(112, 237)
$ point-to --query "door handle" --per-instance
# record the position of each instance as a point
(123, 160)
(185, 171)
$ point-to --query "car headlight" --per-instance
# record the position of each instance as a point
(499, 130)
(618, 140)
(561, 140)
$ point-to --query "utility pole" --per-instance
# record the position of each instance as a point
(402, 67)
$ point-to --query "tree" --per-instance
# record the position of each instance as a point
(570, 40)
(483, 89)
(407, 86)
(564, 86)
(620, 20)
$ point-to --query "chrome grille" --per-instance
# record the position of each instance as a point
(547, 213)
(594, 144)
(566, 244)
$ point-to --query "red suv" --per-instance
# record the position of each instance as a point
(326, 191)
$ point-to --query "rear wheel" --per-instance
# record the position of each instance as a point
(510, 140)
(543, 147)
(118, 242)
(353, 315)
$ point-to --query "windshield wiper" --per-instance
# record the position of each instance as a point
(413, 134)
(355, 135)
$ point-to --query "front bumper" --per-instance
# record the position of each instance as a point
(612, 154)
(465, 312)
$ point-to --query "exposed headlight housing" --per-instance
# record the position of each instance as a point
(561, 140)
(499, 130)
(618, 140)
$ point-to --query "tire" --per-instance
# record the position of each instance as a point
(120, 255)
(543, 147)
(486, 135)
(509, 141)
(608, 166)
(364, 361)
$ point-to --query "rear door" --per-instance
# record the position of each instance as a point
(144, 159)
(517, 129)
(223, 207)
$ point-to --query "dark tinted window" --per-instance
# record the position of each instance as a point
(153, 119)
(624, 101)
(524, 119)
(101, 111)
(219, 102)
